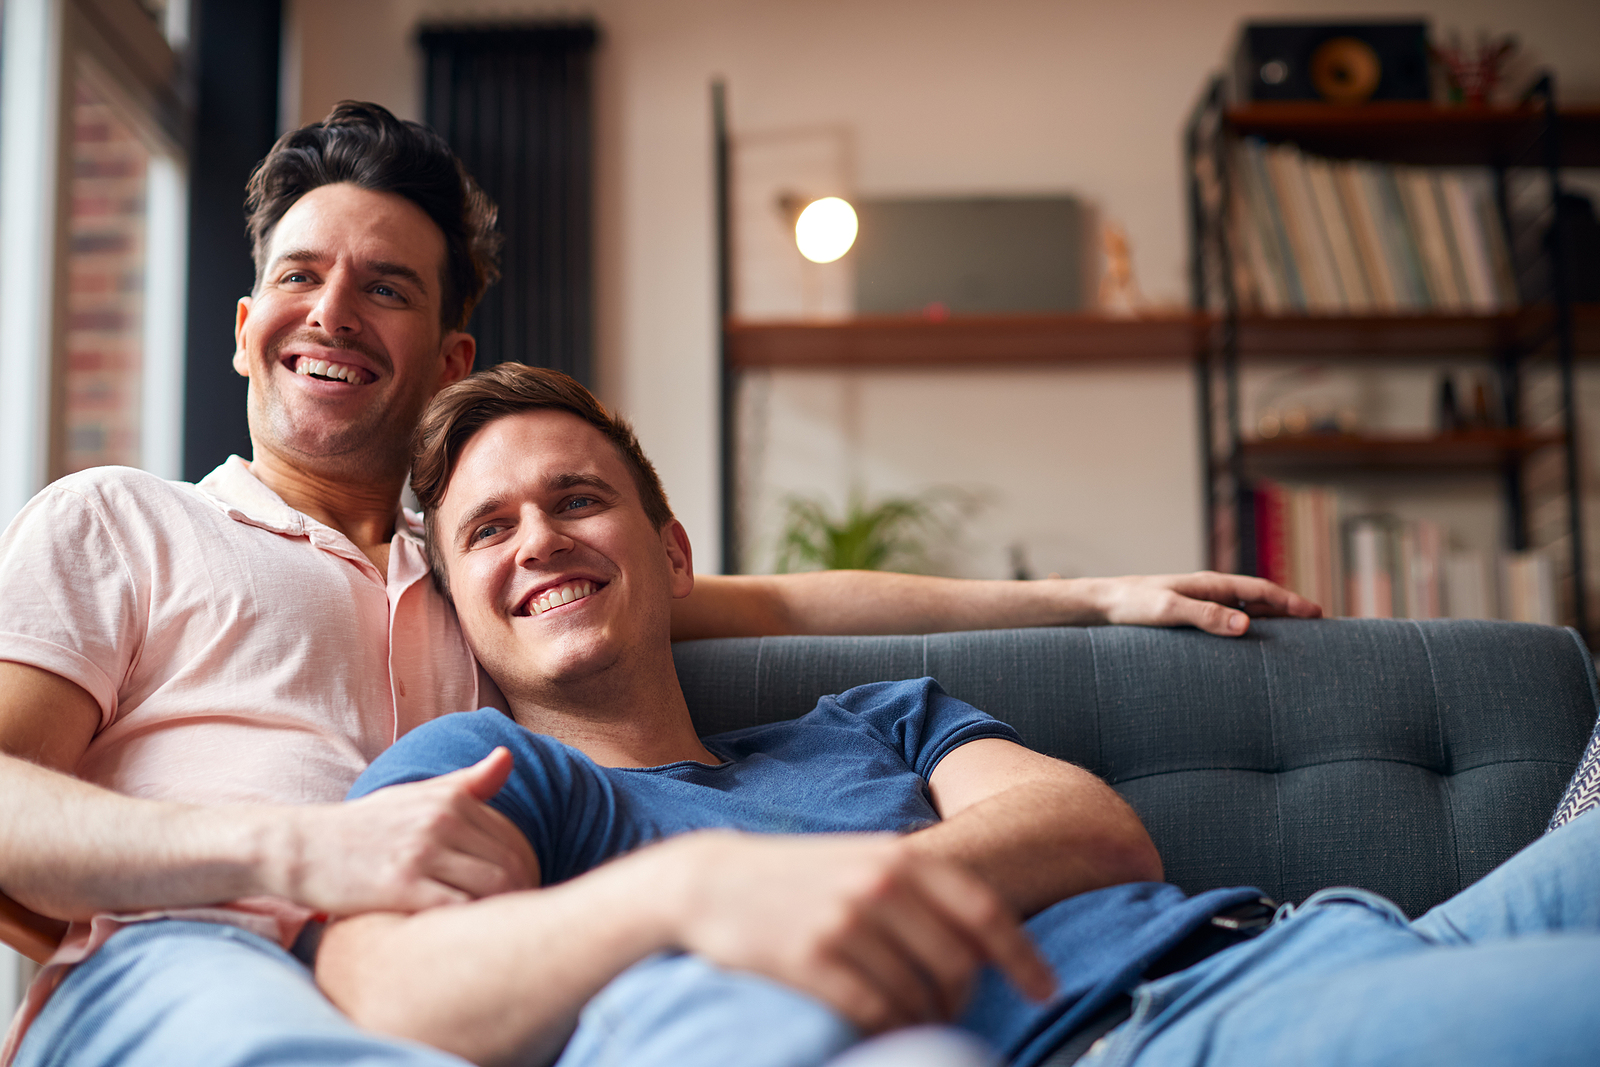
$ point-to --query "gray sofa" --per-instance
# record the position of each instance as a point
(1405, 757)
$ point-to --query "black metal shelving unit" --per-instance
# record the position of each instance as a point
(1523, 147)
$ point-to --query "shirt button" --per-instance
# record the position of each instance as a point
(400, 686)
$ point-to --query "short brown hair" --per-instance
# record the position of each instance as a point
(365, 145)
(462, 409)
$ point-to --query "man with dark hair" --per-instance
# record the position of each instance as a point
(365, 146)
(190, 675)
(745, 850)
(194, 673)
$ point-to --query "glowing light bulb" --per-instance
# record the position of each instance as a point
(826, 229)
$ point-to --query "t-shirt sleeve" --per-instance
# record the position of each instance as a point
(547, 796)
(920, 720)
(69, 600)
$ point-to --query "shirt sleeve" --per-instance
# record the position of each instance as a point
(920, 720)
(69, 599)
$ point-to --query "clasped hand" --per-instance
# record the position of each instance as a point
(408, 847)
(884, 934)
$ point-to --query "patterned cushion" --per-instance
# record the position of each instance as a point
(1583, 792)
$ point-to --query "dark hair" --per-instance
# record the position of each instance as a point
(365, 145)
(462, 409)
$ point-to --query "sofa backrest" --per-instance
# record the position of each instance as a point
(1408, 758)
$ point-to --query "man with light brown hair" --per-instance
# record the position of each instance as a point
(853, 870)
(894, 838)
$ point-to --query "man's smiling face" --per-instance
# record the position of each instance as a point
(557, 573)
(342, 340)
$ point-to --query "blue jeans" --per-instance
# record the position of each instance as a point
(1505, 972)
(169, 993)
(680, 1011)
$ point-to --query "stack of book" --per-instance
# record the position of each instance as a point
(1319, 235)
(1297, 541)
(1378, 566)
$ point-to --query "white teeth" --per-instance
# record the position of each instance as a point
(325, 369)
(564, 594)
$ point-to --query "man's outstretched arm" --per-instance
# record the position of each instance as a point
(1036, 829)
(70, 850)
(879, 602)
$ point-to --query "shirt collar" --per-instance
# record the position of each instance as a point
(246, 498)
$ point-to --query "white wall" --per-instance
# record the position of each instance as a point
(942, 96)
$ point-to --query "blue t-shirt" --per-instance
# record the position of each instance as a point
(858, 762)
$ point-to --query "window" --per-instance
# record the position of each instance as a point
(92, 213)
(92, 217)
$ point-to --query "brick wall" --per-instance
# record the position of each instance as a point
(105, 293)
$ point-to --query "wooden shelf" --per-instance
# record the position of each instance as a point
(1408, 132)
(1482, 450)
(1376, 336)
(963, 341)
(1419, 335)
(1057, 340)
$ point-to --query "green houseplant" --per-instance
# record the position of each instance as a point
(894, 533)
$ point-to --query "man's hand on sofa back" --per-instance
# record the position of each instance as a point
(881, 602)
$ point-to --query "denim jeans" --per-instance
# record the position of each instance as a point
(172, 994)
(1505, 972)
(680, 1011)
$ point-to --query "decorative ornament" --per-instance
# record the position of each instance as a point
(1472, 74)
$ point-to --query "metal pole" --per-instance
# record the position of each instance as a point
(726, 382)
(1560, 297)
(1198, 300)
(1243, 505)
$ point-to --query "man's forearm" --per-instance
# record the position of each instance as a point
(874, 602)
(500, 980)
(1033, 861)
(1035, 829)
(878, 602)
(71, 850)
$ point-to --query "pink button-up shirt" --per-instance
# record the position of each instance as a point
(240, 651)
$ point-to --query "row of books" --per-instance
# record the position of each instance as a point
(1322, 235)
(1377, 566)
